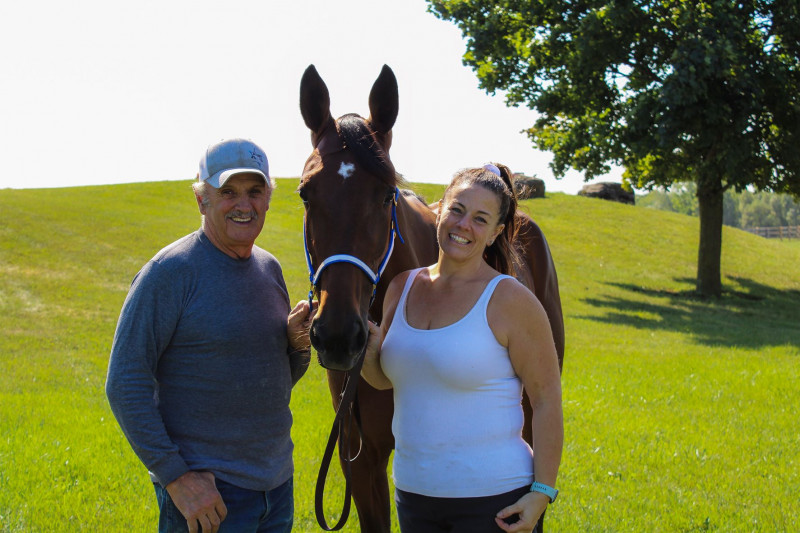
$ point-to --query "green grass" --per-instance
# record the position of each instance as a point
(680, 413)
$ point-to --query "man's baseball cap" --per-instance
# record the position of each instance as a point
(232, 156)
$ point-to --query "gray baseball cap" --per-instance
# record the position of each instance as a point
(232, 156)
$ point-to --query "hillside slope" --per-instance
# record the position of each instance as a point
(671, 402)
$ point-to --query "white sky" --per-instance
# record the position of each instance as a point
(104, 91)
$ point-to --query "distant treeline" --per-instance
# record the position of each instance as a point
(740, 209)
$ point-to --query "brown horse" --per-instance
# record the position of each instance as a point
(353, 212)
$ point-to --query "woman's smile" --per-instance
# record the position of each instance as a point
(459, 239)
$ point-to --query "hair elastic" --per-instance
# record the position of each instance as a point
(493, 169)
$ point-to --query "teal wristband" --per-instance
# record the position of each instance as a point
(548, 491)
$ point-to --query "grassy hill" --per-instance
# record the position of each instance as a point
(681, 413)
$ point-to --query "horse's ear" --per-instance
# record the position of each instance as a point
(315, 102)
(384, 103)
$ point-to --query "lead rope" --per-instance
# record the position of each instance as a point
(348, 410)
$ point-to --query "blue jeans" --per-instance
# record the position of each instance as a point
(248, 510)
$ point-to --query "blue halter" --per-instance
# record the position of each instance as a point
(313, 276)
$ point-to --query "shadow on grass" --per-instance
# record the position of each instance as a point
(749, 314)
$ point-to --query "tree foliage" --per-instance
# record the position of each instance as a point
(706, 91)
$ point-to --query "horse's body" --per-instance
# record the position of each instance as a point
(348, 186)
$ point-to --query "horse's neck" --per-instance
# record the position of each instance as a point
(418, 227)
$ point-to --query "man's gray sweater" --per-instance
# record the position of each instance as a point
(199, 377)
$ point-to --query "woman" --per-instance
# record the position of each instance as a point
(458, 342)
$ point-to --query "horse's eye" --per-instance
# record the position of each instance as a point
(304, 198)
(388, 199)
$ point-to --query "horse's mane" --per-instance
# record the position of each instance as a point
(360, 139)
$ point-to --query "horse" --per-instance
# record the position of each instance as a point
(359, 233)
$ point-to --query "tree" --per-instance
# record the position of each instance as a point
(706, 91)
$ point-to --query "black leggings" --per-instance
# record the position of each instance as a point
(427, 514)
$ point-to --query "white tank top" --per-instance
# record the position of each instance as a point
(457, 406)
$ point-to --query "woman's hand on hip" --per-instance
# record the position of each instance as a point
(530, 507)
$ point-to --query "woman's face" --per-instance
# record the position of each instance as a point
(468, 221)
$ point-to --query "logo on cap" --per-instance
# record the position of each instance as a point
(258, 157)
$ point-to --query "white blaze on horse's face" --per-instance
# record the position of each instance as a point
(346, 169)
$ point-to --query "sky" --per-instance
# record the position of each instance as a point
(102, 91)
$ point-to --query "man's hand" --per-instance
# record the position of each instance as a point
(196, 497)
(299, 323)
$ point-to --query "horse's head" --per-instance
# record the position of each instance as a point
(348, 189)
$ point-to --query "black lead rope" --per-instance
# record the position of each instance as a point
(346, 414)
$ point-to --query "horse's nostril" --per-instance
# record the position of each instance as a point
(313, 335)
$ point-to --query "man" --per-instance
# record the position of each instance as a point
(204, 358)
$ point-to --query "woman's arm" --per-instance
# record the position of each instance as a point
(372, 371)
(523, 326)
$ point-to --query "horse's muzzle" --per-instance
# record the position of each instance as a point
(338, 348)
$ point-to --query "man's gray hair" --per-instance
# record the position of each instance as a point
(200, 189)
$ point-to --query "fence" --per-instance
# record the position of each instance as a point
(776, 232)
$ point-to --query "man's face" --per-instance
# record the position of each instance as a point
(234, 213)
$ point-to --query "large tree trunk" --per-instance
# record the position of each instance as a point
(710, 195)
